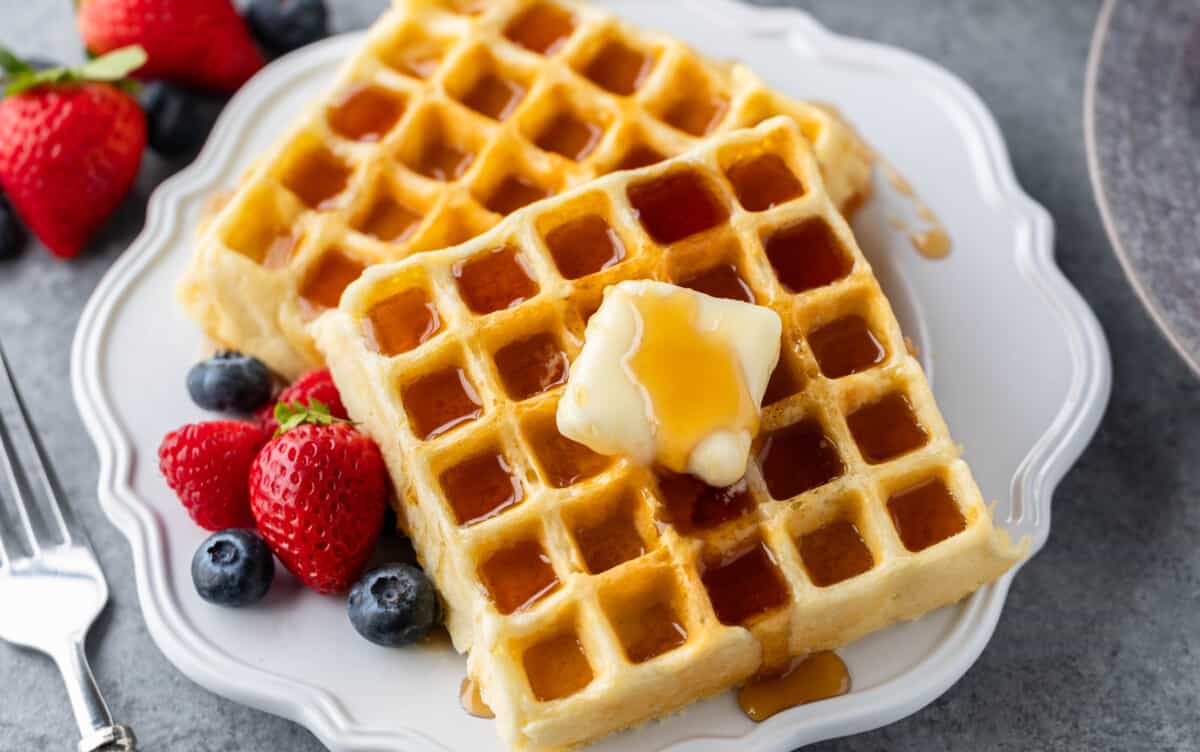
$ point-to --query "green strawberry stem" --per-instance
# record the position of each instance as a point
(292, 414)
(112, 68)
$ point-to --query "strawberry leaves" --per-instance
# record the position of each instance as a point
(289, 415)
(110, 68)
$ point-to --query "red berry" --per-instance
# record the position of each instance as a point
(315, 385)
(318, 494)
(68, 156)
(208, 466)
(201, 43)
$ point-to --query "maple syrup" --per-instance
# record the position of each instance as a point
(845, 346)
(933, 243)
(563, 462)
(710, 396)
(317, 177)
(619, 68)
(745, 585)
(720, 281)
(818, 676)
(471, 699)
(442, 161)
(324, 284)
(441, 401)
(365, 113)
(650, 631)
(557, 667)
(697, 115)
(518, 576)
(398, 324)
(569, 136)
(531, 366)
(783, 382)
(763, 182)
(542, 28)
(513, 193)
(388, 220)
(886, 429)
(640, 156)
(481, 487)
(834, 553)
(611, 541)
(925, 514)
(691, 504)
(262, 237)
(494, 280)
(798, 458)
(494, 96)
(584, 246)
(807, 255)
(676, 206)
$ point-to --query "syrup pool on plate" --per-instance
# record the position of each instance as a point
(818, 676)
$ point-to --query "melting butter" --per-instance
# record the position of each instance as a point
(672, 377)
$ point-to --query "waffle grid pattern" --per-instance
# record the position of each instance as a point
(451, 116)
(591, 607)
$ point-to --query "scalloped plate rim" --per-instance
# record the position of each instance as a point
(322, 713)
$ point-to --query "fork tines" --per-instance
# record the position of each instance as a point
(34, 490)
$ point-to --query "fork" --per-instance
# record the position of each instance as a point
(49, 598)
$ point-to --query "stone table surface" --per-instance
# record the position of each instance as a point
(1099, 646)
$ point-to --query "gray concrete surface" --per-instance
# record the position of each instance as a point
(1099, 647)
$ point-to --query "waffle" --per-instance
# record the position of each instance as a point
(594, 593)
(450, 116)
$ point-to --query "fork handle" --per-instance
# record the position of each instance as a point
(91, 712)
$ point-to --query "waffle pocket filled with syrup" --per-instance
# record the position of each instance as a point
(594, 593)
(449, 117)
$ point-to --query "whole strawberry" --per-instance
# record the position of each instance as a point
(314, 385)
(207, 465)
(202, 43)
(318, 492)
(71, 142)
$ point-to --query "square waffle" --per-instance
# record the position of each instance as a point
(594, 593)
(449, 117)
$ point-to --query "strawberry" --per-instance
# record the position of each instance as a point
(202, 43)
(318, 492)
(315, 385)
(71, 142)
(208, 466)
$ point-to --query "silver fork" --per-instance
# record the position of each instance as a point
(50, 597)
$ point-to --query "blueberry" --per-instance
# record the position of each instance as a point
(233, 568)
(177, 120)
(230, 381)
(284, 25)
(394, 605)
(12, 235)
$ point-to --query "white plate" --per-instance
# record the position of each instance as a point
(1021, 371)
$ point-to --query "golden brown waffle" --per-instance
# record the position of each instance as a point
(450, 116)
(595, 593)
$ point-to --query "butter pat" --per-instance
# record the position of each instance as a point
(672, 377)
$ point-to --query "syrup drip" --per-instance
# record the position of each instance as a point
(693, 384)
(818, 676)
(932, 241)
